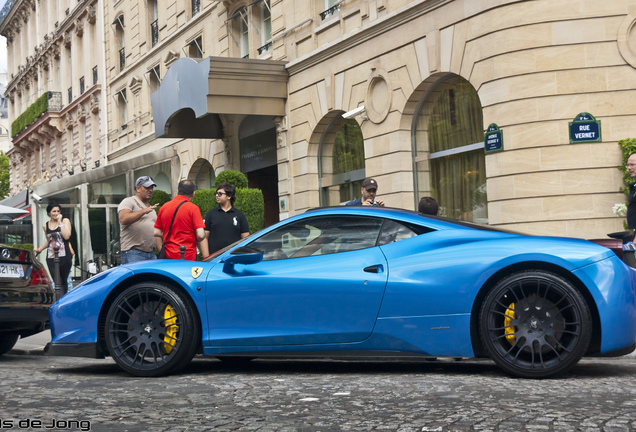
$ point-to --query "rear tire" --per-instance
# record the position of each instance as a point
(535, 324)
(7, 342)
(152, 330)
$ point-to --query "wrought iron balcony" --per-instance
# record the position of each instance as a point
(330, 12)
(154, 31)
(122, 58)
(265, 48)
(6, 9)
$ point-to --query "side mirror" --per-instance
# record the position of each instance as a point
(242, 255)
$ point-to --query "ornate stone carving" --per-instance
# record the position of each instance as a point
(91, 16)
(55, 50)
(48, 132)
(281, 129)
(79, 28)
(66, 39)
(81, 113)
(68, 121)
(171, 57)
(94, 101)
(135, 85)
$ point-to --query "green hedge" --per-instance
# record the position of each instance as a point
(235, 178)
(35, 110)
(628, 147)
(159, 197)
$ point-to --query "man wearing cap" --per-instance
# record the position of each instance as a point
(137, 220)
(368, 190)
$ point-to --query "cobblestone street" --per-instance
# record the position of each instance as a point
(78, 394)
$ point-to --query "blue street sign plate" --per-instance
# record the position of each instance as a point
(585, 128)
(493, 139)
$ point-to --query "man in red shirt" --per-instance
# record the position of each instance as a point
(188, 228)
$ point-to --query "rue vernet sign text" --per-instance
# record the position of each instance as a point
(585, 128)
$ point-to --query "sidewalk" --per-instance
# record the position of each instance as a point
(32, 345)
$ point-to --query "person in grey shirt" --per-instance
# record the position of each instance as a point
(137, 220)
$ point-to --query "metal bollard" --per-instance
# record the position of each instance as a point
(56, 273)
(182, 249)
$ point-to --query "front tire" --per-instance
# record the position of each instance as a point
(152, 330)
(535, 324)
(7, 342)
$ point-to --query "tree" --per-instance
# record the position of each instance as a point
(4, 175)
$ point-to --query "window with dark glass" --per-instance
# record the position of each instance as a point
(195, 48)
(153, 16)
(342, 165)
(449, 150)
(122, 107)
(118, 28)
(154, 78)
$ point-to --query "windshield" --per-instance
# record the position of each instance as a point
(225, 249)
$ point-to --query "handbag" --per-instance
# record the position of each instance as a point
(162, 252)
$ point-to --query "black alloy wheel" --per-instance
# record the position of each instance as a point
(535, 324)
(151, 330)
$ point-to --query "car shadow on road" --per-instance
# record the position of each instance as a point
(587, 369)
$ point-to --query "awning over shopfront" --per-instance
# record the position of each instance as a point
(192, 95)
(9, 213)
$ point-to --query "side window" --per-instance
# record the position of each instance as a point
(321, 235)
(393, 231)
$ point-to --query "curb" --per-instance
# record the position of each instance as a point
(27, 351)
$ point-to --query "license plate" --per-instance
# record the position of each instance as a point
(11, 271)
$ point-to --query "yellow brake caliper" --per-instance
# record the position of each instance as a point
(172, 328)
(509, 329)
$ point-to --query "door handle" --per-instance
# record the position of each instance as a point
(373, 269)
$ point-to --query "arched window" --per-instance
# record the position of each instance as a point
(449, 150)
(341, 162)
(202, 174)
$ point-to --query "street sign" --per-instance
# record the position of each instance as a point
(493, 139)
(585, 128)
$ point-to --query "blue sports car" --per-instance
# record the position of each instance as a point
(360, 281)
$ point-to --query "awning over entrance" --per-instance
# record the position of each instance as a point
(192, 95)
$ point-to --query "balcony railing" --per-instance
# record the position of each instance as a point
(122, 58)
(6, 9)
(265, 48)
(48, 102)
(154, 31)
(330, 12)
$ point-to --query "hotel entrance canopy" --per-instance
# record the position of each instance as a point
(193, 94)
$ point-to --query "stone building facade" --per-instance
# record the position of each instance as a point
(310, 97)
